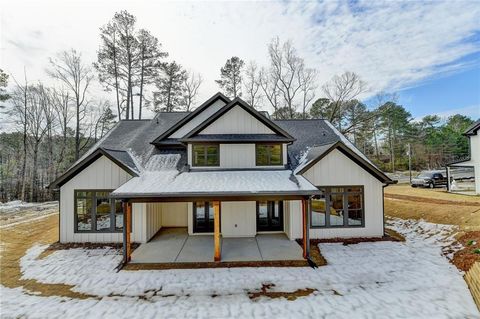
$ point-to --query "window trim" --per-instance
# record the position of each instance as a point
(94, 213)
(345, 217)
(269, 157)
(205, 145)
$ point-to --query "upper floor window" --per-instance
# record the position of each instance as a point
(205, 155)
(268, 154)
(95, 212)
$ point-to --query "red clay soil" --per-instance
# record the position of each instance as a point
(465, 258)
(431, 200)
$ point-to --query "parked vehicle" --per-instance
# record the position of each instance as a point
(429, 179)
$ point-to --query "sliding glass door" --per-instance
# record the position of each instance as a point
(270, 216)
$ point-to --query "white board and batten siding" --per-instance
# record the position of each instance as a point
(101, 174)
(194, 122)
(237, 121)
(336, 169)
(238, 156)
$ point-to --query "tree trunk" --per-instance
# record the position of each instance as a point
(24, 163)
(140, 102)
(34, 188)
(77, 129)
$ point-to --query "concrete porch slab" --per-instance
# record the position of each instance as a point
(197, 249)
(174, 245)
(240, 249)
(278, 247)
(163, 248)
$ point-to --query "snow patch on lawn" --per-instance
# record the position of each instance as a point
(365, 280)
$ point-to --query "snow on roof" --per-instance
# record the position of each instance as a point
(171, 183)
(162, 162)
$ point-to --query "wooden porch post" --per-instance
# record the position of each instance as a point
(126, 228)
(306, 224)
(216, 231)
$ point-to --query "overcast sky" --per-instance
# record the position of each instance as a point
(393, 46)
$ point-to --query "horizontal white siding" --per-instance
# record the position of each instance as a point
(205, 114)
(237, 121)
(336, 169)
(238, 219)
(238, 156)
(101, 174)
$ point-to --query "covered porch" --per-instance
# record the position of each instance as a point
(232, 235)
(174, 245)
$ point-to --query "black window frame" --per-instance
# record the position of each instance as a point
(205, 146)
(328, 192)
(112, 229)
(269, 156)
(271, 204)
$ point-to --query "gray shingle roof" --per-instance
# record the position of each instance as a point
(307, 134)
(130, 141)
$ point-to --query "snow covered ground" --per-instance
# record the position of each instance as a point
(367, 280)
(17, 211)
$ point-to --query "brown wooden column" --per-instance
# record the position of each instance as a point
(128, 225)
(306, 227)
(217, 256)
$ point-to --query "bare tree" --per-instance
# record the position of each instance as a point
(252, 84)
(307, 79)
(36, 114)
(20, 98)
(341, 89)
(269, 85)
(285, 69)
(62, 104)
(191, 84)
(69, 68)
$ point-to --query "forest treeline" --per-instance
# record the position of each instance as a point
(55, 123)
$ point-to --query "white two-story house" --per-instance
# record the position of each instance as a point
(224, 170)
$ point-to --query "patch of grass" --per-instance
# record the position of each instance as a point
(16, 240)
(470, 242)
(476, 251)
(290, 296)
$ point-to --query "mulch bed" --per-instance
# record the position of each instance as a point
(391, 235)
(465, 258)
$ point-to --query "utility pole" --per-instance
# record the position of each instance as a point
(410, 161)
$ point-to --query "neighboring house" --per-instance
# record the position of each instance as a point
(224, 169)
(474, 159)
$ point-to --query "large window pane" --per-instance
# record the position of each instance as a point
(338, 207)
(262, 213)
(336, 210)
(355, 217)
(319, 210)
(118, 215)
(84, 214)
(103, 211)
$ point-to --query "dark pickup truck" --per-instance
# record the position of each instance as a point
(429, 179)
